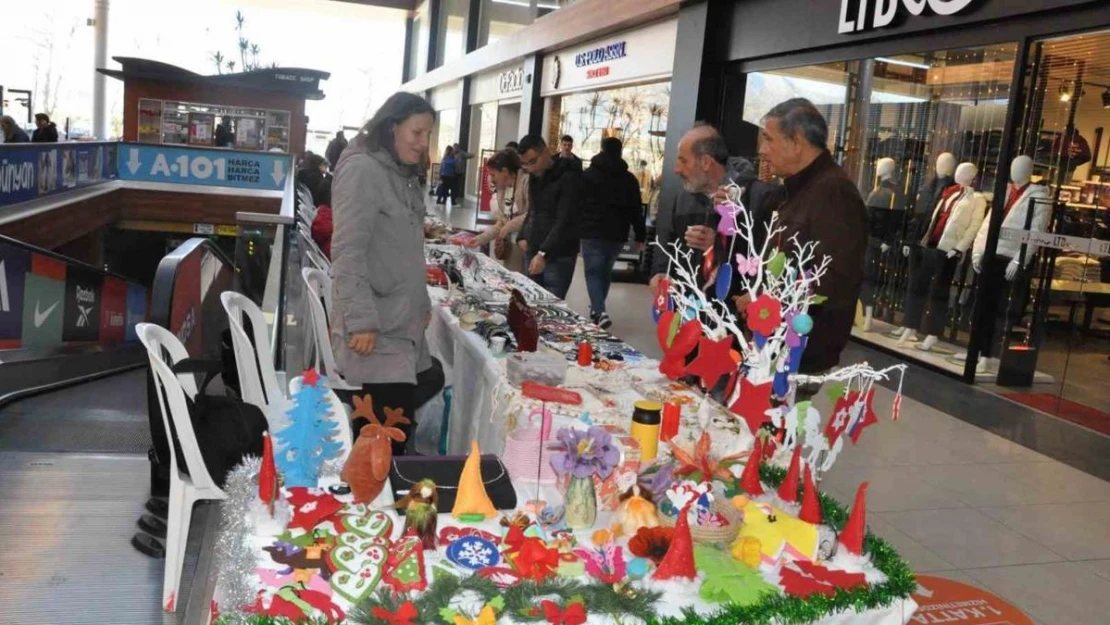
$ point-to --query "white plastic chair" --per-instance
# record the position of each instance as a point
(337, 412)
(258, 381)
(185, 490)
(319, 285)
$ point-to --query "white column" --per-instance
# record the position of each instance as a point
(100, 59)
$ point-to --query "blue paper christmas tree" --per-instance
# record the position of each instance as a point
(310, 439)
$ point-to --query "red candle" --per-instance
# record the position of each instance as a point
(672, 413)
(585, 354)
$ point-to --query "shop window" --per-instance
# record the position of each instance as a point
(501, 18)
(890, 118)
(421, 35)
(451, 38)
(1052, 317)
(636, 115)
(483, 142)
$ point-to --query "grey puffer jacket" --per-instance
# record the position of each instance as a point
(378, 265)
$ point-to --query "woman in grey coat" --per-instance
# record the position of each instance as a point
(379, 290)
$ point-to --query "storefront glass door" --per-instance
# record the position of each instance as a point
(1057, 337)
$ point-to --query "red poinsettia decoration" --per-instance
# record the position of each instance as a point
(764, 315)
(531, 556)
(405, 615)
(701, 463)
(651, 543)
(573, 614)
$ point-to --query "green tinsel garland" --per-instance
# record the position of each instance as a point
(779, 609)
(598, 599)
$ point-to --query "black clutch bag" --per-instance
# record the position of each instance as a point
(445, 471)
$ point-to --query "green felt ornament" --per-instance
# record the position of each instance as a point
(777, 264)
(728, 580)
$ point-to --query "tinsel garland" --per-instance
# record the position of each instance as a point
(236, 562)
(236, 557)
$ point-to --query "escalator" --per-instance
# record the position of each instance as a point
(77, 468)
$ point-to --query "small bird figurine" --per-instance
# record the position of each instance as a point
(421, 512)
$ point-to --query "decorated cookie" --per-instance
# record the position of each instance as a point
(372, 525)
(405, 569)
(362, 543)
(357, 574)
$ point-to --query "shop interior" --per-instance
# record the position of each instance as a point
(909, 126)
(492, 125)
(190, 123)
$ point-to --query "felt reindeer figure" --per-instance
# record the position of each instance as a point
(367, 468)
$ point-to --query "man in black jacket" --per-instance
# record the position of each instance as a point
(335, 149)
(549, 236)
(611, 205)
(45, 130)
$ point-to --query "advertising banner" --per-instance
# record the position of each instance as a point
(261, 171)
(136, 310)
(185, 311)
(82, 305)
(113, 310)
(30, 171)
(44, 302)
(15, 263)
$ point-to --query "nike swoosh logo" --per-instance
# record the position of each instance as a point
(40, 317)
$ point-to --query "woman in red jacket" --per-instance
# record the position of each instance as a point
(322, 225)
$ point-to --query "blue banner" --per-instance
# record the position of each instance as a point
(262, 171)
(29, 171)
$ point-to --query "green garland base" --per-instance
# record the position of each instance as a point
(778, 609)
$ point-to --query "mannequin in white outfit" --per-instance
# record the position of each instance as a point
(1004, 280)
(951, 231)
(885, 219)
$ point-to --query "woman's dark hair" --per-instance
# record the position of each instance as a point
(448, 151)
(323, 192)
(42, 117)
(312, 161)
(505, 159)
(612, 147)
(377, 134)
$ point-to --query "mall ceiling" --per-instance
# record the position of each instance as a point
(406, 5)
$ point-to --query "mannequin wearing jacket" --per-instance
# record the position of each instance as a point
(930, 194)
(1005, 279)
(949, 235)
(885, 216)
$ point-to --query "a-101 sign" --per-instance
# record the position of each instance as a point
(862, 15)
(217, 168)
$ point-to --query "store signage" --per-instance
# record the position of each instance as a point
(30, 171)
(603, 54)
(862, 15)
(942, 600)
(1064, 242)
(244, 170)
(598, 72)
(510, 81)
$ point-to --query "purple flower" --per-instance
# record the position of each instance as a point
(793, 339)
(584, 453)
(656, 479)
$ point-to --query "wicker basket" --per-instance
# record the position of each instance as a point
(712, 535)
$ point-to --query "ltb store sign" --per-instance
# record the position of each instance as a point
(863, 15)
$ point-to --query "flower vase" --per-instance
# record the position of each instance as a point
(581, 503)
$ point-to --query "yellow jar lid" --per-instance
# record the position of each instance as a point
(646, 404)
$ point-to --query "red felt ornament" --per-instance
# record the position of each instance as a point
(679, 561)
(841, 417)
(310, 510)
(267, 475)
(405, 615)
(800, 585)
(764, 315)
(673, 368)
(686, 339)
(811, 507)
(867, 419)
(753, 404)
(851, 535)
(749, 479)
(713, 360)
(573, 614)
(825, 575)
(788, 490)
(665, 329)
(310, 377)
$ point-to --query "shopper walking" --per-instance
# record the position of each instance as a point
(11, 130)
(447, 172)
(509, 207)
(379, 291)
(611, 206)
(822, 206)
(45, 130)
(566, 150)
(549, 236)
(335, 149)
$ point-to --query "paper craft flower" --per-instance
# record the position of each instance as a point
(656, 479)
(605, 564)
(764, 315)
(584, 453)
(651, 543)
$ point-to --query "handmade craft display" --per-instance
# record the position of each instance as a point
(368, 465)
(311, 438)
(727, 525)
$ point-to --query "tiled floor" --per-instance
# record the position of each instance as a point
(958, 501)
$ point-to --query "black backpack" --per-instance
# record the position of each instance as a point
(227, 429)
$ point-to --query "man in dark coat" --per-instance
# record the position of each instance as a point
(335, 148)
(611, 205)
(45, 130)
(549, 236)
(823, 206)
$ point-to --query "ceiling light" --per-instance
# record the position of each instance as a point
(1065, 92)
(882, 59)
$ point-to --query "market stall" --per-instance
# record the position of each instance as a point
(612, 490)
